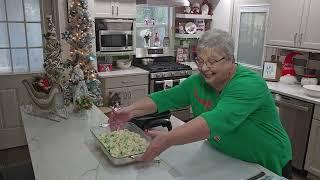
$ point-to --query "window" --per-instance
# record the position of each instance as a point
(153, 18)
(21, 46)
(250, 38)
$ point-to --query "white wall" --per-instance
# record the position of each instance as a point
(222, 15)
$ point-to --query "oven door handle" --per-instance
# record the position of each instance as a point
(302, 108)
(161, 82)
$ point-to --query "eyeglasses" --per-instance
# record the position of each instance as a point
(200, 62)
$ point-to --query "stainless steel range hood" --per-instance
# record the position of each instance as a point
(172, 3)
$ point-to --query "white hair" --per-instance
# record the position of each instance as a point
(219, 39)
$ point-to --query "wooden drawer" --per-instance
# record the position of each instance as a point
(125, 81)
(316, 113)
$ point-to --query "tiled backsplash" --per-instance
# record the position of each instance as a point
(306, 64)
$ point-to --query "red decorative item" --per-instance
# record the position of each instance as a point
(104, 67)
(42, 84)
(287, 67)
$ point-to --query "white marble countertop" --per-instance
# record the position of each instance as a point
(191, 64)
(295, 91)
(123, 72)
(66, 150)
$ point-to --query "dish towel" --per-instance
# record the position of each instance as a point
(181, 80)
(167, 84)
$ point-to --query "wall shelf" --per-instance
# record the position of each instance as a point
(194, 16)
(142, 25)
(188, 36)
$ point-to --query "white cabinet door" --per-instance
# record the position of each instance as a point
(310, 36)
(104, 8)
(312, 164)
(12, 95)
(137, 92)
(284, 22)
(125, 9)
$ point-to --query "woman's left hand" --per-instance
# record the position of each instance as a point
(158, 144)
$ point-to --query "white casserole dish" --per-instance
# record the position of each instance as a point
(312, 90)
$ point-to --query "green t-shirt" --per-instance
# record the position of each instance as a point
(243, 119)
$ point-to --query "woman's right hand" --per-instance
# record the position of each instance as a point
(118, 118)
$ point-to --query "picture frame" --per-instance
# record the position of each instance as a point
(271, 71)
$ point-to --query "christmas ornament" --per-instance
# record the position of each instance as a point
(66, 35)
(92, 57)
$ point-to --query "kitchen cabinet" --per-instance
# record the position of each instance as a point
(296, 117)
(103, 8)
(125, 9)
(285, 22)
(312, 164)
(12, 95)
(115, 9)
(309, 35)
(124, 90)
(294, 23)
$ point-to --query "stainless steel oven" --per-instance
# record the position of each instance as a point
(296, 117)
(158, 82)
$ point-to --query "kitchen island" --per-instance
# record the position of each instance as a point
(66, 150)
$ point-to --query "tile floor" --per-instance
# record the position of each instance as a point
(15, 164)
(299, 177)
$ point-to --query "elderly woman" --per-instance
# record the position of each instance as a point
(232, 106)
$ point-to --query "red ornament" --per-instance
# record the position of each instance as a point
(46, 82)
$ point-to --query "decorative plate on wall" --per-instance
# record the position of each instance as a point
(191, 28)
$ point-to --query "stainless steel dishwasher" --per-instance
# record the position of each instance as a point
(296, 117)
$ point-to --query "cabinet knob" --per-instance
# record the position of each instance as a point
(295, 39)
(300, 39)
(117, 10)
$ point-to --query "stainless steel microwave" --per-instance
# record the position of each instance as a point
(115, 40)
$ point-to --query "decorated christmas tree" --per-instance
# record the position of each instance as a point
(79, 35)
(53, 64)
